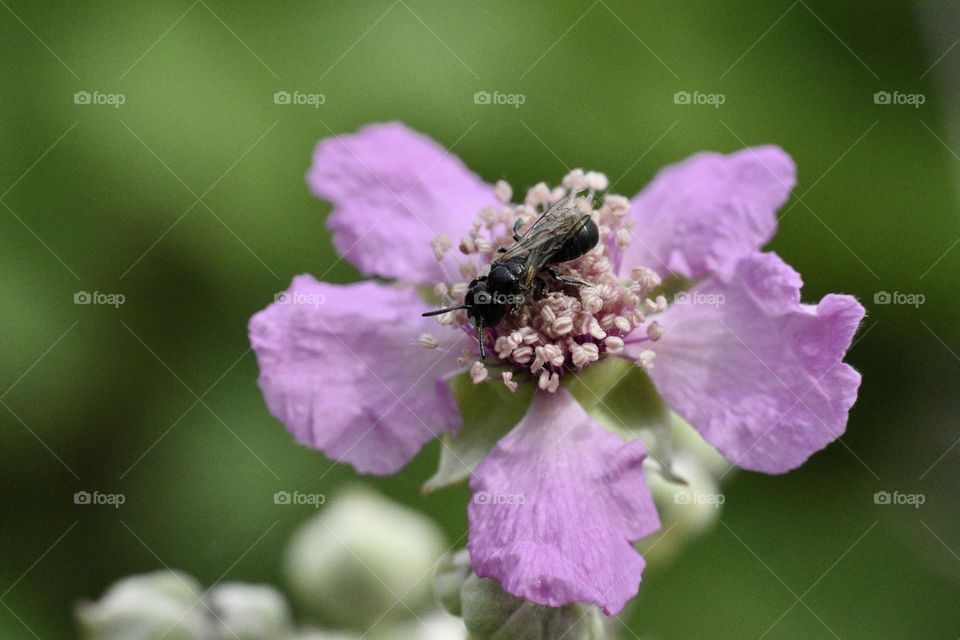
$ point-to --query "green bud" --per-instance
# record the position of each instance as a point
(689, 439)
(249, 612)
(490, 613)
(688, 509)
(317, 634)
(359, 556)
(434, 626)
(486, 607)
(151, 606)
(452, 572)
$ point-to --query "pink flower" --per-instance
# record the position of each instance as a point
(356, 372)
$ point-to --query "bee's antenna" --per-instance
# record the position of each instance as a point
(480, 337)
(437, 312)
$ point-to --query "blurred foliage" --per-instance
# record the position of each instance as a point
(157, 398)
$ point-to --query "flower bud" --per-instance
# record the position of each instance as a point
(317, 634)
(687, 438)
(249, 612)
(485, 606)
(354, 561)
(490, 613)
(687, 510)
(452, 572)
(153, 605)
(435, 626)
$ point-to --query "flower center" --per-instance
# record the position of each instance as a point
(558, 327)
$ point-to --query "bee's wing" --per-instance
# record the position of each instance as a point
(547, 234)
(562, 219)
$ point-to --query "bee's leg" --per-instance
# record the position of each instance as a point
(516, 229)
(480, 339)
(564, 279)
(540, 288)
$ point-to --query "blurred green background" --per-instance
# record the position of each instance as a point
(157, 398)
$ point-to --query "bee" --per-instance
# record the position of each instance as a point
(561, 234)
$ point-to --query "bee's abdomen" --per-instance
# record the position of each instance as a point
(578, 245)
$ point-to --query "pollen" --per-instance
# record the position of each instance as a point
(580, 312)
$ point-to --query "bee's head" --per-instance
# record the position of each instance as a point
(481, 304)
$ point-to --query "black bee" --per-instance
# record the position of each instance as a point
(563, 233)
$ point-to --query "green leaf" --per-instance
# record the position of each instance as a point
(489, 411)
(618, 391)
(620, 396)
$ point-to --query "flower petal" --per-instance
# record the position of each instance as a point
(394, 191)
(760, 375)
(341, 367)
(555, 506)
(701, 215)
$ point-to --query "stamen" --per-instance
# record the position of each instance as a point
(572, 325)
(427, 341)
(478, 372)
(596, 181)
(503, 192)
(441, 244)
(646, 359)
(539, 194)
(614, 345)
(654, 331)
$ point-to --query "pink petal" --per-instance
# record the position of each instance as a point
(760, 375)
(556, 505)
(701, 215)
(394, 191)
(341, 367)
